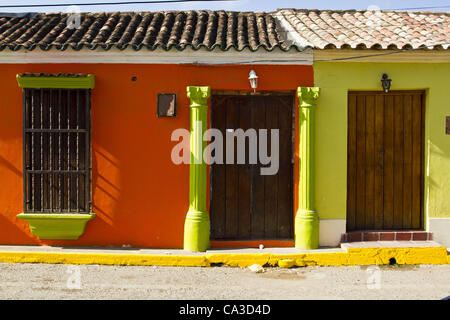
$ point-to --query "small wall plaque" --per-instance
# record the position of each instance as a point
(447, 125)
(167, 105)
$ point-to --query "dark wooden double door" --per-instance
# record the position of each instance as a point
(244, 204)
(385, 160)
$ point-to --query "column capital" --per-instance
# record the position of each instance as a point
(307, 96)
(198, 95)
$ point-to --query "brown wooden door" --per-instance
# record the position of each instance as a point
(245, 204)
(385, 160)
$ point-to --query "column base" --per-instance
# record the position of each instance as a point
(307, 230)
(196, 231)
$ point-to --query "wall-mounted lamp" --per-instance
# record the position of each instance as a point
(253, 80)
(385, 82)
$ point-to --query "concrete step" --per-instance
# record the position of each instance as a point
(390, 244)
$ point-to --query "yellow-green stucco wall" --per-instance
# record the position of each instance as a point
(335, 79)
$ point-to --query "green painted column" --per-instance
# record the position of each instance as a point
(307, 219)
(196, 226)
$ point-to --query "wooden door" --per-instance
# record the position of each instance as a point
(245, 204)
(385, 160)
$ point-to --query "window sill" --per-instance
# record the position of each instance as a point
(64, 226)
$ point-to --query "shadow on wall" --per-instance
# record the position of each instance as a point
(140, 197)
(8, 165)
(14, 232)
(136, 188)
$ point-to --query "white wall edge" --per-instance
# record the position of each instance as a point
(440, 227)
(158, 56)
(330, 231)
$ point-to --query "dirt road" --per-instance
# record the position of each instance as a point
(47, 281)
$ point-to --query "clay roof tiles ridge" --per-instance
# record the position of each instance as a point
(370, 29)
(205, 29)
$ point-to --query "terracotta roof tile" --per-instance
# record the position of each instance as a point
(139, 30)
(370, 29)
(62, 75)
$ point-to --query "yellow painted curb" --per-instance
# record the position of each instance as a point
(238, 259)
(104, 258)
(417, 255)
(286, 263)
(353, 256)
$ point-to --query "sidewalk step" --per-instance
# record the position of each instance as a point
(391, 244)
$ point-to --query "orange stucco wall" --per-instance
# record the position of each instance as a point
(140, 197)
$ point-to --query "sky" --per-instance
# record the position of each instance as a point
(239, 5)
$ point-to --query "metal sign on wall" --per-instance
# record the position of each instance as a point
(167, 105)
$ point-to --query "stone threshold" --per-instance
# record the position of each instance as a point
(390, 244)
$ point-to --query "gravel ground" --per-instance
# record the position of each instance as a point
(50, 281)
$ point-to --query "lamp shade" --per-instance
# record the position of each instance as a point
(253, 79)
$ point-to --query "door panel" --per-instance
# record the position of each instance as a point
(244, 176)
(254, 206)
(232, 174)
(257, 211)
(270, 181)
(218, 197)
(385, 160)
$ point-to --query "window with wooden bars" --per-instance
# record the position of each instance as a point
(57, 157)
